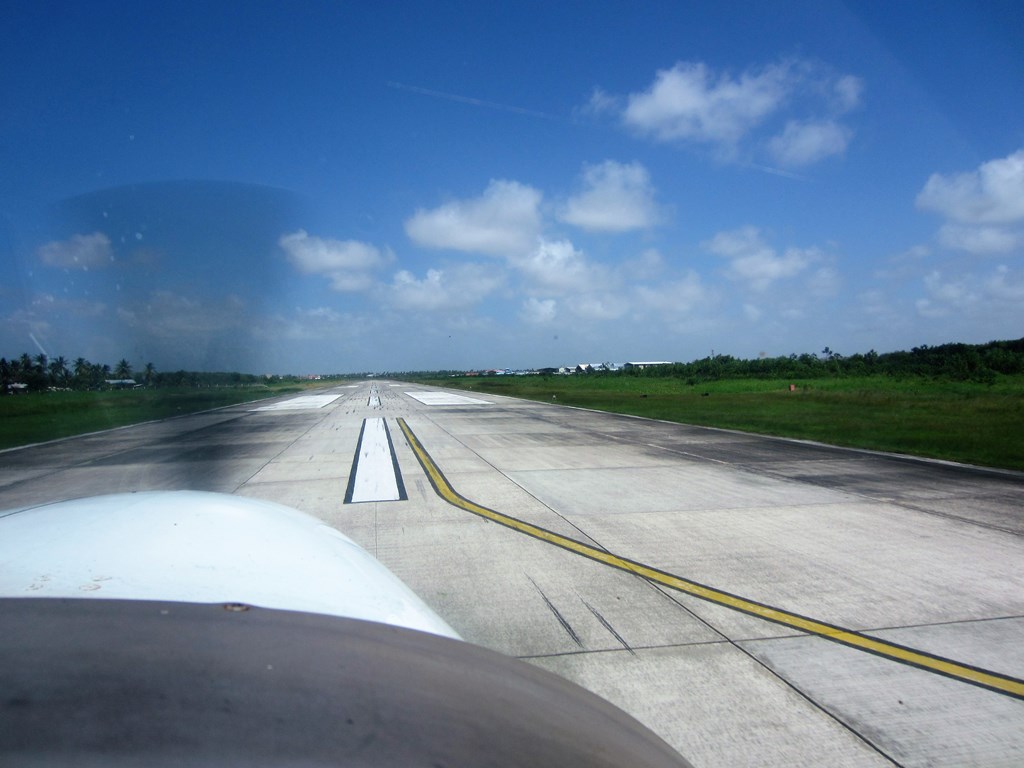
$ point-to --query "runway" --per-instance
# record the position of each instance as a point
(755, 601)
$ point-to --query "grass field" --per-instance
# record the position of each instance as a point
(958, 421)
(36, 417)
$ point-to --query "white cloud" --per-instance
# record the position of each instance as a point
(170, 315)
(947, 295)
(980, 240)
(601, 101)
(538, 311)
(555, 265)
(693, 102)
(803, 143)
(969, 293)
(983, 305)
(689, 101)
(348, 263)
(316, 323)
(598, 306)
(848, 91)
(443, 290)
(754, 262)
(1006, 286)
(74, 307)
(738, 242)
(616, 197)
(78, 252)
(673, 298)
(647, 265)
(504, 221)
(993, 194)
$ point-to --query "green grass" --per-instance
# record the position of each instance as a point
(36, 417)
(958, 421)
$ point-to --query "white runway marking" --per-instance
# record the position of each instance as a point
(445, 398)
(375, 475)
(304, 403)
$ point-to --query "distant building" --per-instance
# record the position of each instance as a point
(121, 383)
(646, 364)
(596, 367)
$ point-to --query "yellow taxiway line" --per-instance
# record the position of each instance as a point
(994, 681)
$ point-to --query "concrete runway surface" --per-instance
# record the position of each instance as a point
(755, 601)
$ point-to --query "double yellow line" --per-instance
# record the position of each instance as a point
(994, 681)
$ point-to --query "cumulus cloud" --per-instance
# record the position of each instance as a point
(947, 295)
(1006, 286)
(556, 265)
(999, 295)
(538, 311)
(674, 298)
(504, 220)
(348, 263)
(980, 240)
(689, 101)
(754, 262)
(693, 102)
(984, 209)
(616, 197)
(598, 306)
(993, 194)
(83, 252)
(450, 289)
(803, 143)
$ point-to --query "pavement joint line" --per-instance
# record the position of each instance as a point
(993, 681)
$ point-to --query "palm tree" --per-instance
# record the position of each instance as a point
(97, 373)
(81, 367)
(59, 371)
(149, 373)
(123, 370)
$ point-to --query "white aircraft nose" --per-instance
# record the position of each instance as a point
(201, 548)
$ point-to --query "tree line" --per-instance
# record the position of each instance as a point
(955, 361)
(958, 362)
(40, 373)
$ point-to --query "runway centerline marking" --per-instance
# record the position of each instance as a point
(993, 681)
(375, 474)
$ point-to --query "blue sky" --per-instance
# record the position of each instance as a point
(324, 187)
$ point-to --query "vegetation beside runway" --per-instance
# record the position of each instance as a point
(39, 416)
(967, 421)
